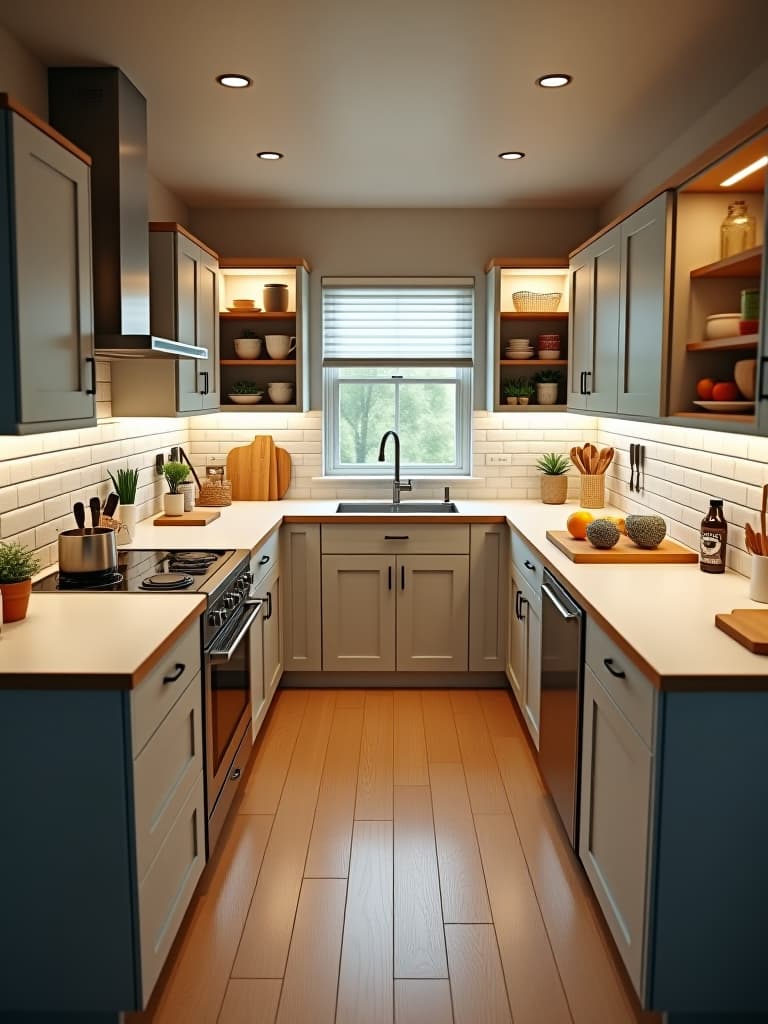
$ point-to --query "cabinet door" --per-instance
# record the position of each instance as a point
(188, 387)
(532, 706)
(605, 258)
(487, 596)
(579, 328)
(259, 701)
(432, 613)
(644, 308)
(302, 626)
(273, 634)
(614, 822)
(516, 641)
(359, 613)
(54, 302)
(208, 328)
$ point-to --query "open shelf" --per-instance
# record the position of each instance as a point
(723, 417)
(261, 406)
(531, 408)
(258, 362)
(533, 316)
(543, 363)
(250, 314)
(747, 264)
(741, 342)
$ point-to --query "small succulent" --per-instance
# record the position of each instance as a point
(175, 473)
(17, 562)
(526, 388)
(547, 377)
(553, 464)
(248, 333)
(511, 388)
(246, 387)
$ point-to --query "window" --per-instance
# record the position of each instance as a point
(397, 355)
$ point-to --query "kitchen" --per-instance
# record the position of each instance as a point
(41, 474)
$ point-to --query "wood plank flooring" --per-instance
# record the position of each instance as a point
(394, 859)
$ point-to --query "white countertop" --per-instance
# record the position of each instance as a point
(661, 615)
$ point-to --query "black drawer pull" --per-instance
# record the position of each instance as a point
(264, 559)
(402, 577)
(393, 537)
(176, 675)
(92, 363)
(529, 565)
(235, 775)
(389, 578)
(608, 662)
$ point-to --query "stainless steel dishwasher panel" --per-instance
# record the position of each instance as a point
(562, 645)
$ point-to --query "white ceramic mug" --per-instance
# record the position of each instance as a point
(758, 583)
(279, 346)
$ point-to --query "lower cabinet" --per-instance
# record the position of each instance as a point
(404, 613)
(523, 661)
(301, 608)
(488, 554)
(267, 639)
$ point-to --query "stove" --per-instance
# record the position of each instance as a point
(142, 571)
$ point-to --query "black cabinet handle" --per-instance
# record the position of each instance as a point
(205, 374)
(396, 537)
(608, 662)
(92, 363)
(235, 775)
(523, 600)
(518, 595)
(581, 383)
(763, 363)
(176, 675)
(402, 577)
(529, 565)
(389, 578)
(269, 607)
(587, 373)
(264, 559)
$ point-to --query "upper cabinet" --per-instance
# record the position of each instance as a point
(184, 306)
(527, 309)
(264, 317)
(620, 307)
(47, 370)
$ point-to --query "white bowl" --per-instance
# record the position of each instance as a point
(518, 342)
(744, 375)
(722, 325)
(280, 393)
(245, 399)
(548, 353)
(247, 348)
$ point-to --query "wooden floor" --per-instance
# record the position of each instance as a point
(394, 858)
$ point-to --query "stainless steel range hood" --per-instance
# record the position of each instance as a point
(101, 111)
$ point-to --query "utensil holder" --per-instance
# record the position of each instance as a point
(758, 582)
(592, 490)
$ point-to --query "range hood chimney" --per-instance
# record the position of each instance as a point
(101, 111)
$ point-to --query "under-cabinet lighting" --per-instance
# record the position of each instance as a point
(269, 155)
(745, 172)
(512, 155)
(554, 81)
(234, 81)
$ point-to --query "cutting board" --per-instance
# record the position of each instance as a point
(625, 552)
(200, 517)
(259, 471)
(748, 626)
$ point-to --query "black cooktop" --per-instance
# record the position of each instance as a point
(148, 571)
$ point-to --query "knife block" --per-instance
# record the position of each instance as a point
(592, 490)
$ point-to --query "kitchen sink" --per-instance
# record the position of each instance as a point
(387, 508)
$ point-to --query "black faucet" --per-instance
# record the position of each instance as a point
(397, 487)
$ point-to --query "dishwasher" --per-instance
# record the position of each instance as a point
(562, 675)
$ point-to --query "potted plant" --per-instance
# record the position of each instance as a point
(18, 564)
(547, 383)
(554, 482)
(125, 484)
(246, 392)
(175, 473)
(525, 391)
(512, 390)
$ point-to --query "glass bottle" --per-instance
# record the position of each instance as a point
(737, 232)
(714, 535)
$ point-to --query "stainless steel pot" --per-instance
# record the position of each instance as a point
(87, 550)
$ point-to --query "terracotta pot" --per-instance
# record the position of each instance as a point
(554, 489)
(511, 400)
(15, 600)
(523, 401)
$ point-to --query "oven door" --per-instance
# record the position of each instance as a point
(230, 661)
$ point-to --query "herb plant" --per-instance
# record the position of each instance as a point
(17, 562)
(125, 484)
(175, 473)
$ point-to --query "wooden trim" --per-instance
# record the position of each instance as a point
(530, 263)
(543, 363)
(509, 315)
(344, 519)
(745, 131)
(720, 417)
(9, 103)
(169, 225)
(258, 362)
(744, 264)
(263, 262)
(741, 342)
(251, 314)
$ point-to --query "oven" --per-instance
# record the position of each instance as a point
(231, 656)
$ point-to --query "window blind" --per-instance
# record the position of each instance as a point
(393, 322)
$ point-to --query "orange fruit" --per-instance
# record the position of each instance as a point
(704, 388)
(578, 522)
(725, 391)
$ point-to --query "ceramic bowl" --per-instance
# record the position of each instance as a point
(744, 375)
(722, 325)
(245, 399)
(247, 348)
(280, 393)
(518, 342)
(243, 303)
(549, 353)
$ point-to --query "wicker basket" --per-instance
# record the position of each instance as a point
(536, 302)
(592, 490)
(554, 489)
(215, 495)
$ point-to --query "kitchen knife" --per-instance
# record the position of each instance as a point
(632, 456)
(111, 504)
(95, 506)
(79, 512)
(640, 464)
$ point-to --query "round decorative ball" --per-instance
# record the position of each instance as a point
(602, 533)
(646, 531)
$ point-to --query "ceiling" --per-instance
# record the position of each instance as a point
(406, 103)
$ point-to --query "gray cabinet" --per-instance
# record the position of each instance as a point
(267, 637)
(620, 315)
(184, 306)
(302, 625)
(488, 547)
(523, 662)
(47, 378)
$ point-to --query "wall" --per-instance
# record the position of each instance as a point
(165, 205)
(22, 75)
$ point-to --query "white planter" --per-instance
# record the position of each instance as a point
(173, 504)
(546, 394)
(129, 516)
(758, 583)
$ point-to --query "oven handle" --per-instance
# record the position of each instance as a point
(217, 654)
(567, 613)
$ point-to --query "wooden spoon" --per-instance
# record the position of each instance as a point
(604, 460)
(590, 458)
(753, 541)
(576, 459)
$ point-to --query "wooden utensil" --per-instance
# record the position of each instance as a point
(95, 506)
(604, 460)
(250, 469)
(590, 458)
(753, 541)
(79, 513)
(576, 459)
(763, 537)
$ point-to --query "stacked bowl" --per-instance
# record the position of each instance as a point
(518, 348)
(548, 346)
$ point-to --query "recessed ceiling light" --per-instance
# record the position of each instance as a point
(511, 156)
(268, 155)
(554, 81)
(745, 172)
(234, 81)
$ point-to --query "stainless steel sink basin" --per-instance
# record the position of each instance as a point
(387, 508)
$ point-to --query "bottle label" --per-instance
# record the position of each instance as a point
(711, 547)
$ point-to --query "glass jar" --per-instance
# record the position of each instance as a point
(737, 232)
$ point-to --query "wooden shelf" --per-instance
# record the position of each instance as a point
(739, 343)
(257, 407)
(258, 362)
(723, 417)
(543, 363)
(533, 316)
(531, 408)
(747, 264)
(253, 315)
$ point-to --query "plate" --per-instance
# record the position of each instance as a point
(243, 309)
(726, 406)
(245, 399)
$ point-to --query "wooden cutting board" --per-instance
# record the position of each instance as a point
(200, 517)
(748, 626)
(284, 464)
(625, 552)
(259, 471)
